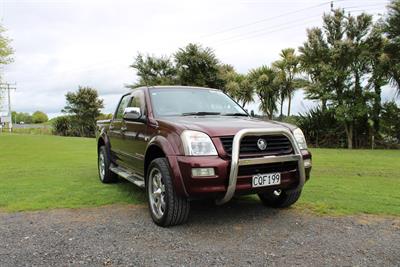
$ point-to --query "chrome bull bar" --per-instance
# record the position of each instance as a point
(236, 161)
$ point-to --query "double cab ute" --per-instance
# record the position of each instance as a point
(184, 143)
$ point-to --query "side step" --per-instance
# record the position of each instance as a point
(130, 176)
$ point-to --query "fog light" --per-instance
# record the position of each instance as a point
(203, 172)
(307, 163)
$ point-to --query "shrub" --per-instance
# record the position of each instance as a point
(62, 125)
(322, 129)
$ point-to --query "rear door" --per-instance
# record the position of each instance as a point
(116, 130)
(135, 134)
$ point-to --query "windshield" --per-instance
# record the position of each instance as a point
(191, 101)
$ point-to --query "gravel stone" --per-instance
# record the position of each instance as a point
(237, 234)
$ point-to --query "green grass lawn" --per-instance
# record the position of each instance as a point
(44, 171)
(40, 172)
(354, 181)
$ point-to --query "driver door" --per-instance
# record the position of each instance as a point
(116, 130)
(135, 134)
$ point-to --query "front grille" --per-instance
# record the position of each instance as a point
(276, 145)
(247, 170)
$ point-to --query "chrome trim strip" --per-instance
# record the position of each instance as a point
(268, 159)
(236, 162)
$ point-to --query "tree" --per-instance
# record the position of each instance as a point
(197, 66)
(391, 29)
(236, 85)
(39, 117)
(227, 77)
(153, 70)
(19, 117)
(263, 80)
(337, 59)
(391, 122)
(358, 97)
(379, 69)
(246, 91)
(84, 107)
(232, 88)
(314, 54)
(288, 69)
(5, 51)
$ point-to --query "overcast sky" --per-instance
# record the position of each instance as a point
(60, 45)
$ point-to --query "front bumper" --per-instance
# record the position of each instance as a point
(231, 176)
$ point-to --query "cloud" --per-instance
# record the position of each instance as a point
(63, 44)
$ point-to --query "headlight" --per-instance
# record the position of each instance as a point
(300, 139)
(197, 144)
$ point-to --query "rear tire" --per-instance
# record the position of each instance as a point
(166, 207)
(103, 161)
(282, 200)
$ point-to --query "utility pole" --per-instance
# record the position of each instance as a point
(9, 87)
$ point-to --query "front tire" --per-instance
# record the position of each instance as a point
(279, 198)
(166, 207)
(103, 161)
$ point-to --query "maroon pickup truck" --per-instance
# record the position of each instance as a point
(184, 143)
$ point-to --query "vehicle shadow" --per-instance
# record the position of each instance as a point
(239, 209)
(137, 194)
(205, 212)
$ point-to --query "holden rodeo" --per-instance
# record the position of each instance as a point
(183, 143)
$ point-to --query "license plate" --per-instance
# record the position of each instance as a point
(260, 180)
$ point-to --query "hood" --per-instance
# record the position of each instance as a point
(222, 125)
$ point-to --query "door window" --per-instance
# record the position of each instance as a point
(122, 105)
(138, 101)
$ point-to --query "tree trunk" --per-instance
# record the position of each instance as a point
(280, 116)
(349, 134)
(376, 108)
(373, 142)
(289, 104)
(323, 104)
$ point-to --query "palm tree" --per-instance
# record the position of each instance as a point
(232, 88)
(392, 31)
(264, 81)
(288, 69)
(246, 91)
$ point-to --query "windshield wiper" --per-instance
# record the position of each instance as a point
(235, 114)
(200, 113)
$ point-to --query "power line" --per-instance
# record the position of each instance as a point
(273, 29)
(364, 9)
(362, 6)
(268, 32)
(269, 18)
(268, 29)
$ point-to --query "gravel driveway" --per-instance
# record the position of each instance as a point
(236, 234)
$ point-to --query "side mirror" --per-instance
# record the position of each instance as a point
(132, 113)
